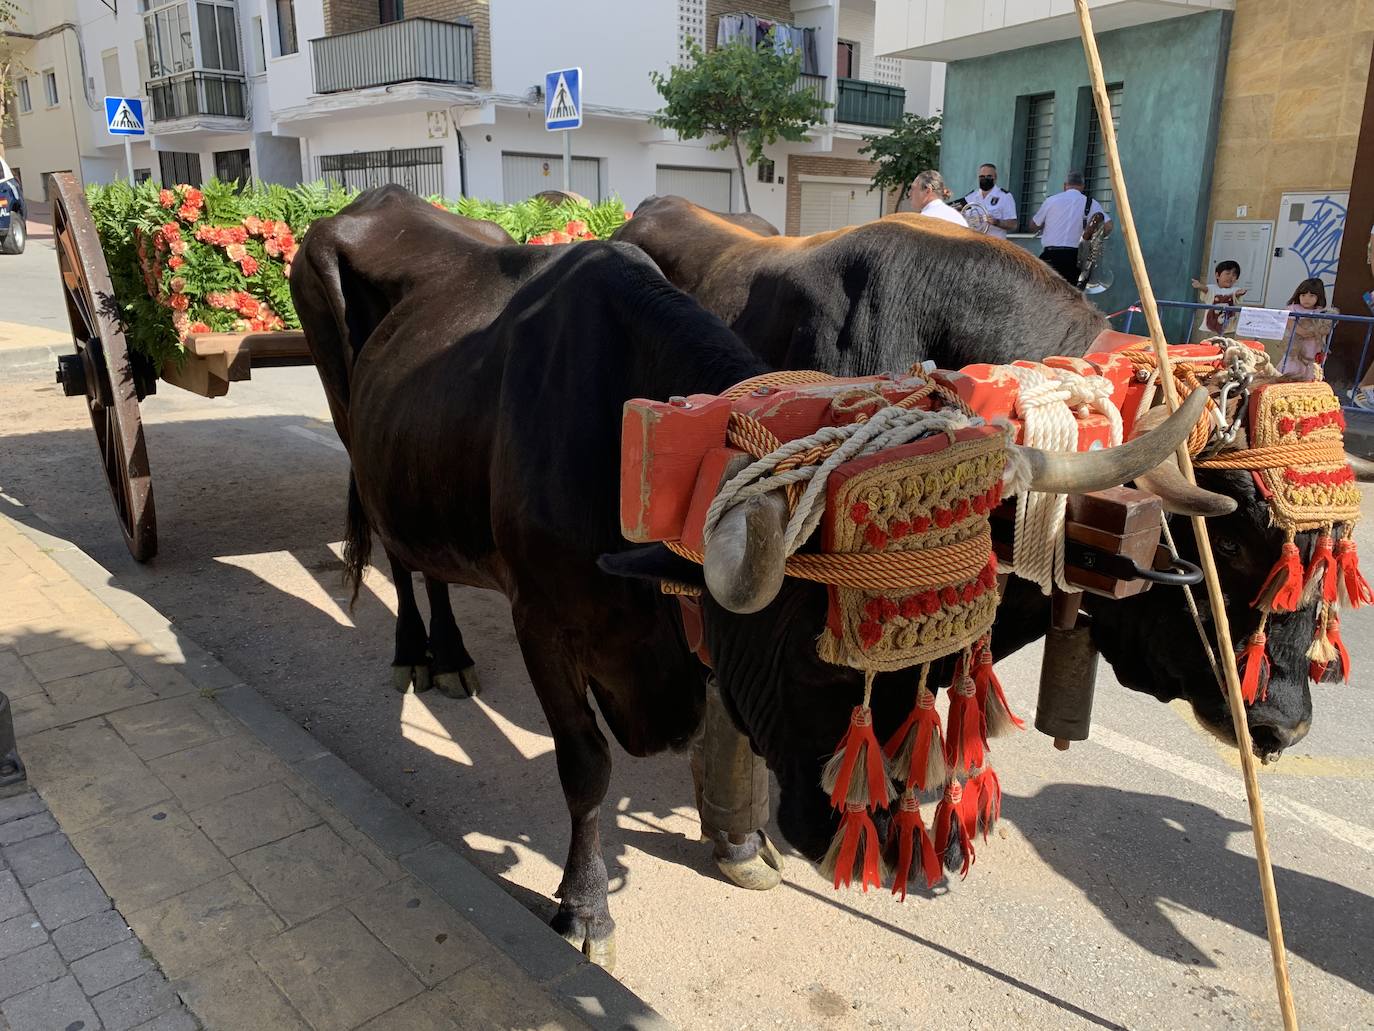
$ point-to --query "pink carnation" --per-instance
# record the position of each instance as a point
(236, 252)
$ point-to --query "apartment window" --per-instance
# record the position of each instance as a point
(178, 167)
(286, 28)
(114, 82)
(142, 175)
(167, 33)
(1090, 149)
(25, 97)
(1035, 137)
(258, 65)
(50, 88)
(233, 166)
(390, 10)
(846, 59)
(767, 170)
(219, 37)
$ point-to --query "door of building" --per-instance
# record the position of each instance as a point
(1307, 243)
(709, 187)
(832, 203)
(524, 175)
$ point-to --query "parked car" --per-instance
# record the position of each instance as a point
(13, 230)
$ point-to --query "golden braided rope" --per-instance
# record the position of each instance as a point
(1186, 370)
(918, 569)
(1277, 456)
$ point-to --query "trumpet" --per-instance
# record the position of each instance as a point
(1093, 276)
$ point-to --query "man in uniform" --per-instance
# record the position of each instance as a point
(1061, 220)
(997, 202)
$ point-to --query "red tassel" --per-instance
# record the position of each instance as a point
(1255, 682)
(989, 799)
(956, 818)
(858, 748)
(998, 719)
(855, 841)
(1322, 574)
(907, 836)
(965, 732)
(1333, 634)
(917, 751)
(1354, 589)
(1282, 589)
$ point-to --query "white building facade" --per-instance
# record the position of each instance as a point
(443, 96)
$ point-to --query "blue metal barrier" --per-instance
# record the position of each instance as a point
(1228, 310)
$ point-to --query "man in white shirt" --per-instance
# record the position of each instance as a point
(997, 202)
(928, 197)
(1061, 219)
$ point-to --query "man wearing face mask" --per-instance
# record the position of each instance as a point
(997, 202)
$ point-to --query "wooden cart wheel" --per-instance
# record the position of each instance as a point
(101, 369)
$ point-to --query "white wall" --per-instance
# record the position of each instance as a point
(856, 23)
(289, 77)
(614, 42)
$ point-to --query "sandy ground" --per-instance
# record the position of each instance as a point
(1119, 890)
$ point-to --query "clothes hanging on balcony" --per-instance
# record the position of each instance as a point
(786, 38)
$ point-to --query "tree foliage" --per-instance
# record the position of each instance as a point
(9, 61)
(747, 96)
(911, 148)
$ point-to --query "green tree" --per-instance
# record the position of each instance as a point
(911, 148)
(749, 97)
(9, 62)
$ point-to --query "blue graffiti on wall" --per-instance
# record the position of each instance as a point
(1319, 241)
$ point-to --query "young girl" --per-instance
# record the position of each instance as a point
(1307, 342)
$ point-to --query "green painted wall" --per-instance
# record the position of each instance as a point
(1172, 72)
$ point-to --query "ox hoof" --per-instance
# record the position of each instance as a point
(758, 872)
(403, 676)
(461, 684)
(599, 950)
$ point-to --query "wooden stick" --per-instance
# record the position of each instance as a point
(1209, 566)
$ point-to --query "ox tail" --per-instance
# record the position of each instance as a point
(357, 542)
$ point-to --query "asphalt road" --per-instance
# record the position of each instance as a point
(1119, 891)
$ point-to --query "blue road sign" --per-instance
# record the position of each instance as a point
(124, 116)
(563, 99)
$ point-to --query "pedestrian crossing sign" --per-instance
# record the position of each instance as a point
(124, 116)
(563, 99)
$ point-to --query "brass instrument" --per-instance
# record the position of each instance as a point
(1093, 276)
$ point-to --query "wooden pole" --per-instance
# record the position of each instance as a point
(1204, 546)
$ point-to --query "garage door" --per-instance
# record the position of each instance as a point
(833, 205)
(709, 187)
(524, 175)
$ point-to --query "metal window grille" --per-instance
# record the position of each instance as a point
(178, 167)
(1097, 177)
(233, 166)
(419, 169)
(1035, 154)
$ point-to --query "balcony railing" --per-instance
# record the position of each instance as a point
(869, 103)
(813, 84)
(197, 93)
(413, 50)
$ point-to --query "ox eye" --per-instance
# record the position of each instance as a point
(1227, 547)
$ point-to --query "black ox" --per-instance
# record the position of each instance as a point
(907, 288)
(490, 457)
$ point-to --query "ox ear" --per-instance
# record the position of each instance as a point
(651, 562)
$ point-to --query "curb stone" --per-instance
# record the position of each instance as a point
(584, 989)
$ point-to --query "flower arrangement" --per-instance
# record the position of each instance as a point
(217, 258)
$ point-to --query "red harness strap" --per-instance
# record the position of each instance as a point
(694, 627)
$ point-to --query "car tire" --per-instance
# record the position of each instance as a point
(17, 237)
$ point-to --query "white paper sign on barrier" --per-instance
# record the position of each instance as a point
(1263, 323)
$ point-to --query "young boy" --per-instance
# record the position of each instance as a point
(1223, 291)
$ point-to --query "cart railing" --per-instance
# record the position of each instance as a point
(1228, 310)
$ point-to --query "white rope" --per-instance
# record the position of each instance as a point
(1045, 404)
(887, 428)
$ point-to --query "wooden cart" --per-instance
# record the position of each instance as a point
(113, 380)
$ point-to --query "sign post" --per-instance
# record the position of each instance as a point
(124, 117)
(563, 112)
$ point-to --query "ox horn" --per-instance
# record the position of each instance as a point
(1364, 468)
(744, 559)
(1075, 472)
(1178, 494)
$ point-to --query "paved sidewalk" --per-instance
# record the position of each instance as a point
(270, 884)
